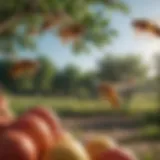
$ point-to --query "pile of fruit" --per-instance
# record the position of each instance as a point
(38, 134)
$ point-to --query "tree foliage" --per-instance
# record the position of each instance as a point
(70, 81)
(66, 81)
(43, 79)
(118, 68)
(85, 22)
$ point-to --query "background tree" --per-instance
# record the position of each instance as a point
(87, 85)
(66, 81)
(71, 80)
(118, 68)
(122, 69)
(4, 70)
(44, 77)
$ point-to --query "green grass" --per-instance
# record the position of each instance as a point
(146, 133)
(144, 102)
(150, 132)
(141, 103)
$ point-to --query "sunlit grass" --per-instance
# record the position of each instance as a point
(144, 102)
(151, 131)
(140, 103)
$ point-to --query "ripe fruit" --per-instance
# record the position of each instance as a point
(37, 129)
(50, 118)
(96, 144)
(17, 146)
(67, 137)
(3, 102)
(67, 150)
(4, 109)
(4, 124)
(116, 154)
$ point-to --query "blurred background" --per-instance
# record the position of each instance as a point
(75, 52)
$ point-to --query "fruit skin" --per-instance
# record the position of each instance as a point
(17, 146)
(6, 115)
(116, 154)
(66, 136)
(3, 102)
(50, 118)
(4, 108)
(4, 124)
(37, 129)
(67, 150)
(96, 144)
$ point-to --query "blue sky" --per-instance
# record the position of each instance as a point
(126, 42)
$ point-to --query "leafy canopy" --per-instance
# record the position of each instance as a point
(86, 19)
(119, 68)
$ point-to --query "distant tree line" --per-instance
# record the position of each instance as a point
(71, 81)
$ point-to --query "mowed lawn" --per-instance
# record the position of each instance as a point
(140, 103)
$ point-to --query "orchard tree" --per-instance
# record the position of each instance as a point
(87, 84)
(66, 81)
(122, 69)
(83, 22)
(118, 68)
(4, 76)
(43, 78)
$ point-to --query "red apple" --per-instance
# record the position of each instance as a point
(3, 101)
(37, 129)
(4, 123)
(116, 154)
(96, 144)
(17, 146)
(50, 118)
(4, 108)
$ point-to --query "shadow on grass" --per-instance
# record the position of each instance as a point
(66, 111)
(147, 133)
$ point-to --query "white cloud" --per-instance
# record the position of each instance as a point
(148, 47)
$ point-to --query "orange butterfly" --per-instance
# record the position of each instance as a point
(156, 31)
(71, 32)
(23, 66)
(146, 26)
(143, 25)
(108, 92)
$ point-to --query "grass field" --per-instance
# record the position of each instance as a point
(140, 103)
